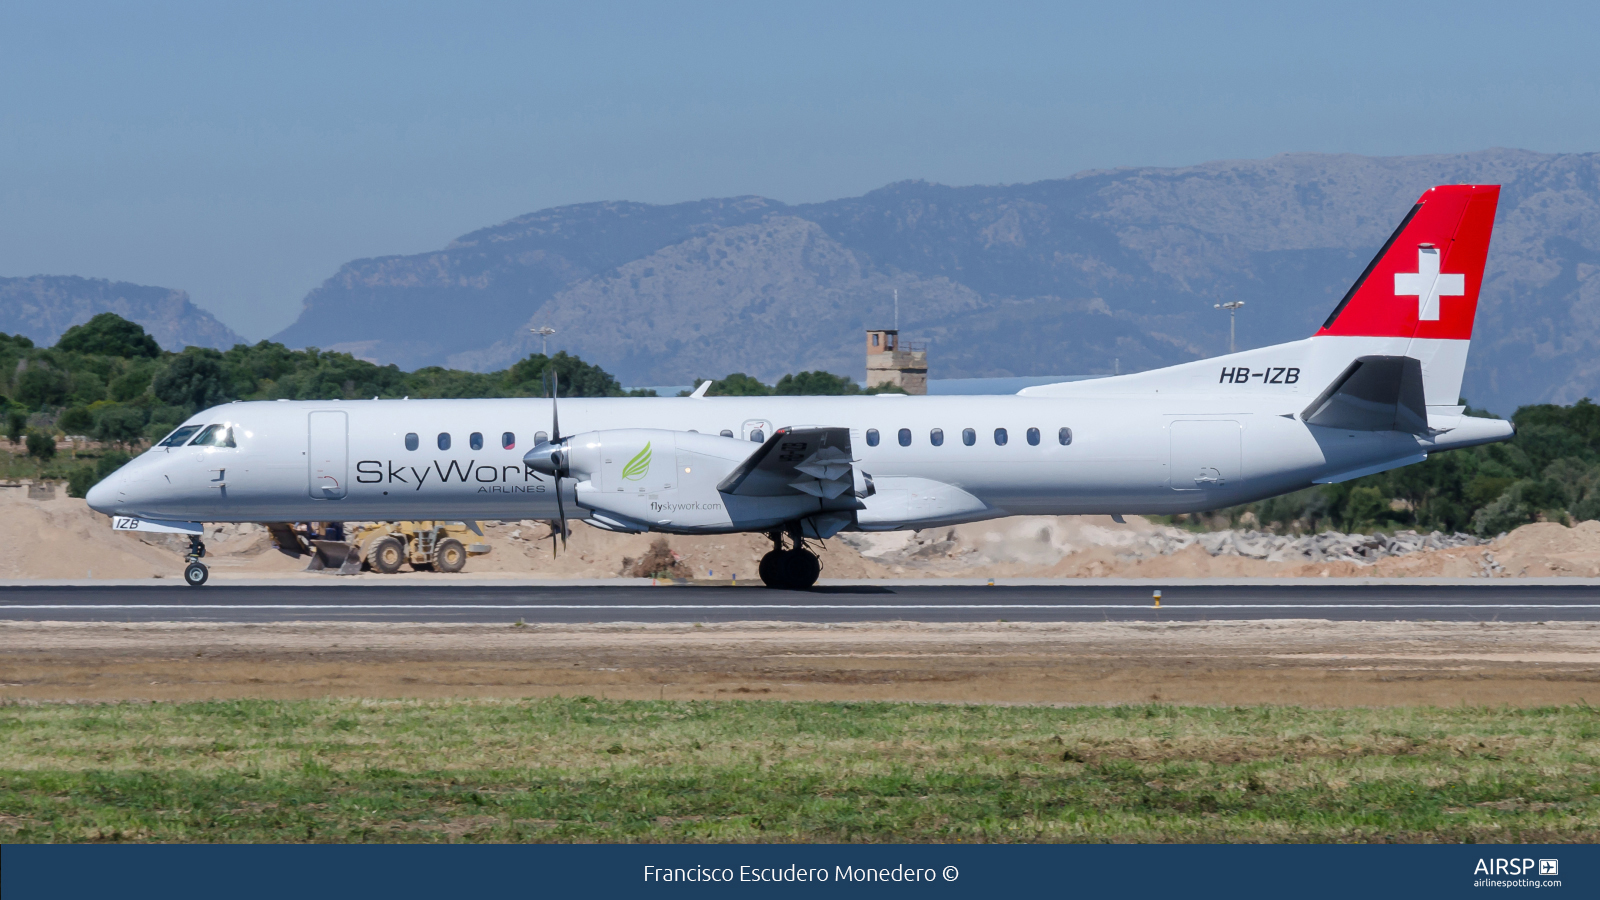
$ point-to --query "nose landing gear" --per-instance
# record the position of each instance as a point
(195, 573)
(793, 569)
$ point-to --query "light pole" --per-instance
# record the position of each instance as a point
(1233, 309)
(544, 332)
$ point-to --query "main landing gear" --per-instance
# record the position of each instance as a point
(195, 573)
(792, 569)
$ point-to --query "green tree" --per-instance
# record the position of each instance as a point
(80, 480)
(109, 462)
(41, 446)
(41, 385)
(194, 380)
(161, 420)
(117, 423)
(815, 384)
(1364, 507)
(436, 381)
(320, 375)
(109, 334)
(1522, 503)
(736, 385)
(87, 387)
(16, 425)
(130, 384)
(86, 476)
(578, 378)
(76, 420)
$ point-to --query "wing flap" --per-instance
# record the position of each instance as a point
(812, 461)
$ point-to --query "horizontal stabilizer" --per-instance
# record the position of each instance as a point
(1375, 393)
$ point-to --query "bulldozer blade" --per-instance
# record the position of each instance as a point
(289, 541)
(342, 557)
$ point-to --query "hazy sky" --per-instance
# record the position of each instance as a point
(243, 152)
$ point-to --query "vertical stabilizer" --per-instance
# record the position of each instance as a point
(1423, 286)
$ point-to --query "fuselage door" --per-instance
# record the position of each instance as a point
(750, 428)
(327, 454)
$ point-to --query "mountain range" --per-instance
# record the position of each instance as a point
(1100, 271)
(42, 307)
(1103, 271)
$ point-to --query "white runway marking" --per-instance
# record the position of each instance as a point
(844, 606)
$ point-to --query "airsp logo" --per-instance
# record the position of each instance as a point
(639, 466)
(1501, 866)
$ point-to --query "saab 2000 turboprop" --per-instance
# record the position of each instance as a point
(1375, 388)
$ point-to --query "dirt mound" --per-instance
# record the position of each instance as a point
(64, 538)
(61, 537)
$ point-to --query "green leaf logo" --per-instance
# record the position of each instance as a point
(639, 466)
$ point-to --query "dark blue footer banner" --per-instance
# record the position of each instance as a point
(664, 870)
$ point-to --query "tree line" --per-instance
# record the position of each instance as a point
(108, 380)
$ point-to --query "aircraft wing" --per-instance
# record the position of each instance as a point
(802, 460)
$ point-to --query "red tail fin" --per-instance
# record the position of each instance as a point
(1424, 283)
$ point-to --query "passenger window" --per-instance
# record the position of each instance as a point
(540, 437)
(177, 438)
(872, 437)
(475, 440)
(936, 437)
(1000, 437)
(508, 441)
(726, 432)
(969, 437)
(411, 441)
(1064, 436)
(444, 440)
(214, 436)
(905, 437)
(758, 435)
(1033, 437)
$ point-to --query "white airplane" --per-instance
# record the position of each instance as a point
(1375, 388)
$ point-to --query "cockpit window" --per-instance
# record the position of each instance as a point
(177, 438)
(214, 436)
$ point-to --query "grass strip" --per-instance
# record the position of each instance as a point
(583, 769)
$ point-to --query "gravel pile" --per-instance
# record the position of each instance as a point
(1328, 546)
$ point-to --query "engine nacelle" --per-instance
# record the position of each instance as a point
(638, 479)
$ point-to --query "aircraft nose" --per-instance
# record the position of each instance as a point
(105, 497)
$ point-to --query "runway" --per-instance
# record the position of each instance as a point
(1488, 601)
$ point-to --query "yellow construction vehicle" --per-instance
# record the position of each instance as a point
(383, 546)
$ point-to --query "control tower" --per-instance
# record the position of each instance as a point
(889, 361)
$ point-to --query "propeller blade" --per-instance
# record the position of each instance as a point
(555, 419)
(555, 437)
(561, 511)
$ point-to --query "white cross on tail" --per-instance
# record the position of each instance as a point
(1428, 285)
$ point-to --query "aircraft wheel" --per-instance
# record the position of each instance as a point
(772, 569)
(804, 569)
(195, 574)
(451, 556)
(790, 570)
(386, 556)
